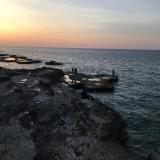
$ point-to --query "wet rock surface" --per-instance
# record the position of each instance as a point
(18, 59)
(43, 119)
(91, 83)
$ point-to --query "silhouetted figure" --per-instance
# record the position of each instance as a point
(75, 75)
(72, 74)
(84, 94)
(113, 72)
(75, 71)
(72, 70)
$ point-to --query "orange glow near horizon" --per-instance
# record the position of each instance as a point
(25, 26)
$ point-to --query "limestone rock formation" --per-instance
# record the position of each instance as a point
(43, 119)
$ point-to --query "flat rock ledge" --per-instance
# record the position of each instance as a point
(18, 59)
(43, 119)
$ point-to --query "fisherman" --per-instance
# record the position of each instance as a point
(75, 71)
(75, 75)
(113, 73)
(72, 70)
(72, 74)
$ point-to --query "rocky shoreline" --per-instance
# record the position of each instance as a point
(12, 58)
(41, 118)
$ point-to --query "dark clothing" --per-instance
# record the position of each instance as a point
(84, 94)
(75, 75)
(113, 73)
(75, 71)
(72, 70)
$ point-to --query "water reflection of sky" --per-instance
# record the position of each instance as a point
(137, 94)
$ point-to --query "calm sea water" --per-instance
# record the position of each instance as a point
(137, 94)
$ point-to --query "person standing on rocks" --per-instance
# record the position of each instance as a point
(72, 70)
(72, 74)
(75, 71)
(113, 73)
(75, 75)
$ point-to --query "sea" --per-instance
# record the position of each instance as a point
(136, 96)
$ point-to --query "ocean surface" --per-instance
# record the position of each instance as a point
(136, 95)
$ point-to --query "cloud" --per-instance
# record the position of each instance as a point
(82, 18)
(139, 29)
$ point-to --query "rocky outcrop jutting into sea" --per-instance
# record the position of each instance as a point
(43, 119)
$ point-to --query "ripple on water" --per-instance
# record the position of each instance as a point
(137, 94)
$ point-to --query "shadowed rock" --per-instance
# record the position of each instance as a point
(42, 119)
(53, 63)
(155, 155)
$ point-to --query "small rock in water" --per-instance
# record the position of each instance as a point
(53, 63)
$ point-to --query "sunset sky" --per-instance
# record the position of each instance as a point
(80, 23)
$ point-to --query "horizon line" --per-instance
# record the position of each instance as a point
(56, 47)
